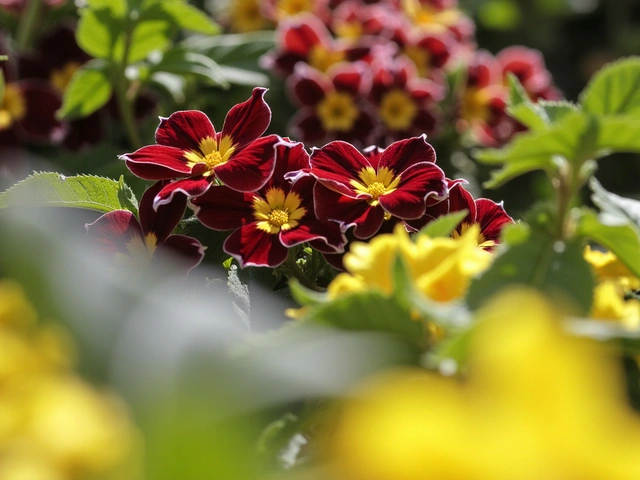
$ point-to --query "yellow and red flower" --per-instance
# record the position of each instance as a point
(362, 191)
(191, 151)
(268, 222)
(134, 243)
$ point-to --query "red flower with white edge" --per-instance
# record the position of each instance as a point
(134, 244)
(334, 106)
(362, 191)
(268, 222)
(192, 153)
(489, 215)
(406, 104)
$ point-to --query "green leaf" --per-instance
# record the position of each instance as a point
(615, 89)
(148, 36)
(618, 134)
(181, 61)
(2, 83)
(304, 296)
(444, 225)
(614, 207)
(190, 18)
(622, 240)
(555, 268)
(89, 90)
(236, 50)
(369, 311)
(99, 30)
(530, 115)
(557, 110)
(50, 189)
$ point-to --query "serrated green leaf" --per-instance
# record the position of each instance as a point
(369, 311)
(614, 90)
(88, 91)
(620, 133)
(616, 208)
(557, 110)
(99, 30)
(554, 268)
(622, 240)
(444, 225)
(50, 189)
(190, 18)
(529, 115)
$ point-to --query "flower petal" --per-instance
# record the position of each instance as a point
(353, 78)
(403, 154)
(306, 126)
(113, 230)
(188, 251)
(290, 158)
(157, 162)
(41, 103)
(252, 167)
(460, 199)
(328, 233)
(492, 218)
(307, 85)
(222, 208)
(185, 130)
(253, 247)
(336, 164)
(417, 183)
(163, 220)
(248, 120)
(299, 34)
(191, 187)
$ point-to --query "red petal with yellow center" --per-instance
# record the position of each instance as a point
(299, 34)
(405, 153)
(417, 183)
(336, 164)
(113, 230)
(330, 205)
(492, 218)
(185, 130)
(221, 208)
(248, 120)
(191, 187)
(163, 220)
(250, 168)
(186, 251)
(328, 233)
(157, 162)
(253, 247)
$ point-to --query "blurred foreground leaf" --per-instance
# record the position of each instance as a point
(624, 210)
(49, 189)
(615, 89)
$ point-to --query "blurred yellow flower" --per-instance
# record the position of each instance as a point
(536, 404)
(53, 426)
(441, 268)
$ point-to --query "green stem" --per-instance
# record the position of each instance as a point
(298, 274)
(28, 23)
(125, 104)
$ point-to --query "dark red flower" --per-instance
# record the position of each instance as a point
(429, 51)
(354, 19)
(528, 65)
(135, 244)
(438, 16)
(270, 221)
(362, 191)
(334, 106)
(189, 149)
(406, 104)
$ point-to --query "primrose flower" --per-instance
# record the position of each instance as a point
(353, 20)
(536, 403)
(134, 244)
(279, 10)
(268, 222)
(528, 65)
(441, 268)
(189, 149)
(362, 191)
(439, 16)
(334, 106)
(246, 16)
(430, 52)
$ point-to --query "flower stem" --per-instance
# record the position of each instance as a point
(28, 23)
(298, 274)
(125, 104)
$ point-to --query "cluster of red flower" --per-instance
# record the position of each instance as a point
(274, 195)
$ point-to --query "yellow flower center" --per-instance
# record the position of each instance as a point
(211, 153)
(349, 30)
(321, 58)
(420, 57)
(13, 106)
(397, 110)
(481, 240)
(60, 78)
(429, 18)
(338, 111)
(289, 8)
(475, 104)
(245, 16)
(376, 183)
(277, 211)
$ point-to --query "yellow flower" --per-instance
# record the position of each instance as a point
(53, 426)
(608, 267)
(536, 404)
(441, 268)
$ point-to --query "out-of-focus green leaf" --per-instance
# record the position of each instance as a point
(619, 134)
(499, 14)
(235, 50)
(614, 90)
(304, 296)
(622, 240)
(172, 83)
(189, 17)
(616, 208)
(89, 90)
(147, 36)
(557, 110)
(50, 189)
(444, 225)
(99, 30)
(369, 311)
(2, 83)
(181, 61)
(555, 268)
